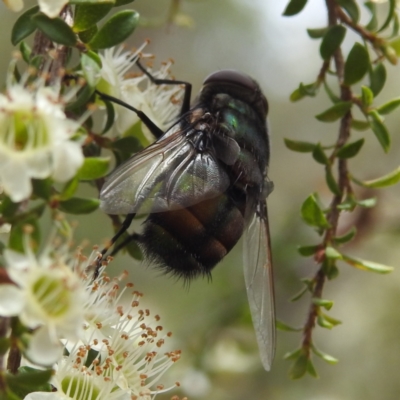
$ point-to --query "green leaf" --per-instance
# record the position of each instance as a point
(367, 203)
(292, 355)
(93, 168)
(356, 65)
(42, 188)
(377, 77)
(286, 328)
(395, 44)
(373, 23)
(88, 35)
(384, 181)
(367, 265)
(24, 26)
(346, 237)
(333, 97)
(28, 380)
(332, 272)
(311, 369)
(331, 181)
(323, 322)
(69, 189)
(299, 368)
(18, 231)
(294, 7)
(317, 33)
(319, 155)
(78, 205)
(351, 149)
(82, 98)
(332, 40)
(349, 204)
(334, 113)
(312, 213)
(5, 344)
(360, 125)
(390, 53)
(332, 253)
(91, 68)
(392, 6)
(307, 251)
(26, 52)
(326, 357)
(55, 29)
(134, 250)
(388, 107)
(117, 29)
(310, 89)
(367, 96)
(87, 15)
(110, 116)
(351, 7)
(327, 304)
(380, 130)
(300, 294)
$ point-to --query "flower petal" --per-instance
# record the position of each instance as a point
(42, 349)
(11, 300)
(15, 180)
(68, 158)
(52, 7)
(14, 5)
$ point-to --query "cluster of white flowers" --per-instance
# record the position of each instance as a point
(49, 7)
(161, 103)
(36, 137)
(113, 346)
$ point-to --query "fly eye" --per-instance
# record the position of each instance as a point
(229, 76)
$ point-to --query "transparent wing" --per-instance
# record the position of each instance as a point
(169, 174)
(259, 280)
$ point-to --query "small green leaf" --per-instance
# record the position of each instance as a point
(367, 203)
(110, 116)
(307, 251)
(326, 357)
(351, 149)
(346, 237)
(324, 323)
(310, 89)
(134, 250)
(93, 168)
(367, 96)
(312, 213)
(82, 98)
(332, 272)
(91, 68)
(88, 35)
(384, 181)
(69, 189)
(380, 130)
(332, 253)
(356, 65)
(28, 380)
(294, 7)
(334, 98)
(388, 107)
(299, 368)
(42, 188)
(327, 304)
(360, 125)
(331, 181)
(17, 233)
(77, 205)
(317, 33)
(24, 26)
(373, 23)
(5, 344)
(334, 113)
(55, 29)
(390, 53)
(395, 44)
(300, 294)
(319, 155)
(377, 77)
(311, 369)
(292, 355)
(351, 7)
(367, 265)
(392, 7)
(26, 52)
(118, 28)
(349, 204)
(286, 328)
(331, 41)
(87, 15)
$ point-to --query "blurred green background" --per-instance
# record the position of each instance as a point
(210, 320)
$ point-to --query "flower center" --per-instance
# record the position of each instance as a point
(52, 295)
(24, 131)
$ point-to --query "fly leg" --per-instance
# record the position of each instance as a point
(124, 227)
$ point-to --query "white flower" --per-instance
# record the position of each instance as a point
(35, 138)
(161, 103)
(51, 8)
(47, 297)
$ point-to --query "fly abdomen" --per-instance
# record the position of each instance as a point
(190, 242)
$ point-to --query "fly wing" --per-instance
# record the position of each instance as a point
(169, 174)
(259, 279)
